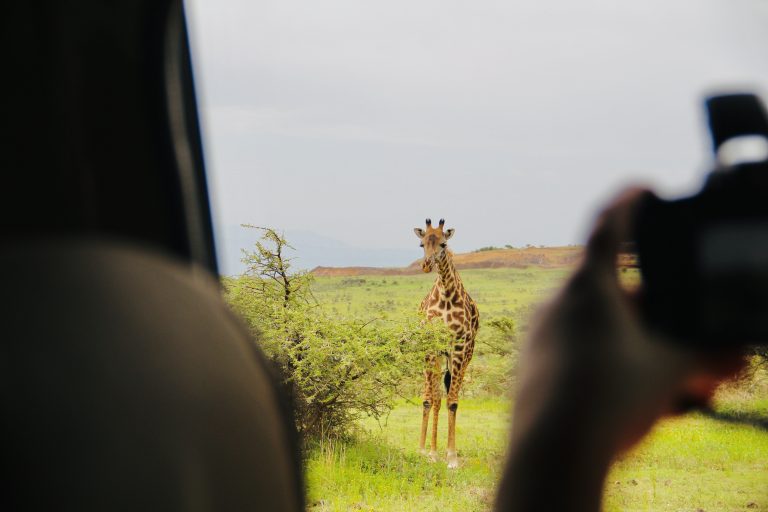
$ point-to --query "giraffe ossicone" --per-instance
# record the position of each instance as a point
(450, 302)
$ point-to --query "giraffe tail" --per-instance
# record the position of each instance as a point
(447, 380)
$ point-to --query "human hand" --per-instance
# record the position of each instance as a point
(594, 379)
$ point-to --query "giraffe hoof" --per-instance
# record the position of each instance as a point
(432, 456)
(453, 461)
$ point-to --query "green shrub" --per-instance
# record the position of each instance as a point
(335, 370)
(493, 369)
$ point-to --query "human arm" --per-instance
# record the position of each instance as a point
(593, 381)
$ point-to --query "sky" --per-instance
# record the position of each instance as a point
(346, 123)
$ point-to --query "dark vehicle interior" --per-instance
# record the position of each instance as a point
(127, 383)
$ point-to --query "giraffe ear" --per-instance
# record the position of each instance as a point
(449, 233)
(419, 232)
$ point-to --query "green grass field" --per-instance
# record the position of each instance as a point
(690, 463)
(503, 291)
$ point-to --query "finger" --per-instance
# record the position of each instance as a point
(714, 370)
(613, 227)
(707, 374)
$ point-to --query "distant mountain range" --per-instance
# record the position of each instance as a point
(311, 250)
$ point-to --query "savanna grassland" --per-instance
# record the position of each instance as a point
(691, 463)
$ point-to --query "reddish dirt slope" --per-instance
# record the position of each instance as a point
(517, 258)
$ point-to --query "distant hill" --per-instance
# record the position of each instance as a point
(548, 257)
(311, 250)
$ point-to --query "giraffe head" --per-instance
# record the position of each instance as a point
(434, 241)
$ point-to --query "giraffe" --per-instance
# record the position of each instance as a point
(449, 301)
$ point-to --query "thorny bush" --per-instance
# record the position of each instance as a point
(335, 370)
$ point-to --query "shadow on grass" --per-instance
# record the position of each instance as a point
(751, 419)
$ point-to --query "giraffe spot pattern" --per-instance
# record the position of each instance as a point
(449, 301)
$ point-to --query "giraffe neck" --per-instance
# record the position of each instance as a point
(447, 275)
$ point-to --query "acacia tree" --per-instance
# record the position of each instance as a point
(273, 268)
(335, 369)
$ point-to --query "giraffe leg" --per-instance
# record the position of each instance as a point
(427, 400)
(457, 377)
(437, 398)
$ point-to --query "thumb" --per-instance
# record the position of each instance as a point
(614, 225)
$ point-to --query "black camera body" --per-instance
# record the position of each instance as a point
(704, 259)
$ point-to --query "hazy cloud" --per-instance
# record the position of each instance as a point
(355, 120)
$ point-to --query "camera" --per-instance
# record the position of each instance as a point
(704, 259)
